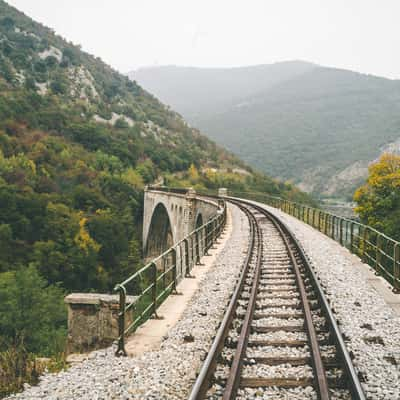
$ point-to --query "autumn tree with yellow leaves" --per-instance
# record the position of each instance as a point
(378, 201)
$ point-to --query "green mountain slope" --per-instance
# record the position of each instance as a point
(78, 143)
(319, 128)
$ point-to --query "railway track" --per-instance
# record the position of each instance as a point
(278, 338)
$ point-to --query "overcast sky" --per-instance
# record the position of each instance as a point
(361, 35)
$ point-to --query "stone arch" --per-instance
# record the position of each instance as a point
(160, 236)
(199, 221)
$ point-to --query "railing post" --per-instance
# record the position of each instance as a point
(165, 266)
(351, 236)
(396, 268)
(154, 289)
(180, 275)
(211, 235)
(326, 224)
(197, 248)
(378, 253)
(341, 231)
(121, 321)
(202, 245)
(216, 231)
(187, 272)
(205, 239)
(187, 260)
(364, 258)
(174, 274)
(193, 252)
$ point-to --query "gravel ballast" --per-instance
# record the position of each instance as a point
(370, 326)
(169, 372)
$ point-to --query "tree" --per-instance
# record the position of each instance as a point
(121, 123)
(193, 174)
(59, 85)
(8, 23)
(32, 313)
(378, 201)
(5, 246)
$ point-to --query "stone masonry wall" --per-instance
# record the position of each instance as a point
(92, 320)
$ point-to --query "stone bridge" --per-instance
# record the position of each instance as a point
(170, 215)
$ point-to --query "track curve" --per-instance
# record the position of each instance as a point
(278, 338)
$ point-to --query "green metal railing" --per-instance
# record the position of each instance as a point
(153, 283)
(381, 252)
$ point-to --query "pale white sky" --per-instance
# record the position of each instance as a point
(361, 35)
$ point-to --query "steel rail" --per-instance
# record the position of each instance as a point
(201, 385)
(233, 381)
(316, 358)
(353, 382)
(321, 381)
(321, 384)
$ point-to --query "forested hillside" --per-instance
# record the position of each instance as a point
(78, 142)
(319, 127)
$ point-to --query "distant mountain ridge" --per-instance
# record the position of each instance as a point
(173, 85)
(319, 127)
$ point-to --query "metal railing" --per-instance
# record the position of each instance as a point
(153, 283)
(381, 252)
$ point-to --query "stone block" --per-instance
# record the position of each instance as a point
(93, 320)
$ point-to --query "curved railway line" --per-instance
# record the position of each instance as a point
(278, 338)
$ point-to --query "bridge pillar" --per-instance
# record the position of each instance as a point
(191, 211)
(222, 192)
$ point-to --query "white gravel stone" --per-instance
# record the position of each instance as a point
(277, 371)
(274, 351)
(279, 335)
